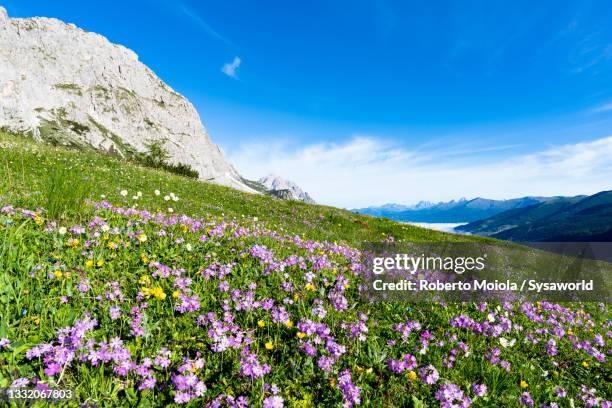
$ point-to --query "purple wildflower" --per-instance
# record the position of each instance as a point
(451, 396)
(273, 402)
(525, 399)
(429, 375)
(479, 390)
(350, 392)
(20, 382)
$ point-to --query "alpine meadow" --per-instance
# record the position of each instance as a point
(143, 265)
(137, 287)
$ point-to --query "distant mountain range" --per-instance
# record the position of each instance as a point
(560, 219)
(527, 219)
(455, 211)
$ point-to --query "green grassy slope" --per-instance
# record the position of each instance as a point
(32, 173)
(226, 306)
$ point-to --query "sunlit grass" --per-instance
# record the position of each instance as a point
(250, 297)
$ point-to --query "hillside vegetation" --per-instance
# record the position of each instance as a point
(135, 287)
(39, 175)
(562, 219)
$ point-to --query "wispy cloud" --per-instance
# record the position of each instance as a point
(366, 171)
(589, 48)
(230, 68)
(606, 107)
(195, 17)
(591, 57)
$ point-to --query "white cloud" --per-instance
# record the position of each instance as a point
(367, 171)
(195, 17)
(230, 68)
(606, 107)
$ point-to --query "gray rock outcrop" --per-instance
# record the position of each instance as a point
(59, 82)
(285, 189)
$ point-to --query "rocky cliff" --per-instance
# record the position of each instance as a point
(284, 189)
(74, 87)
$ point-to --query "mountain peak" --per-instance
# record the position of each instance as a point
(285, 188)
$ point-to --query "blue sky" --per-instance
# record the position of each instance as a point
(365, 102)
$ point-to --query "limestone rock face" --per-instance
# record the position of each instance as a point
(285, 189)
(59, 82)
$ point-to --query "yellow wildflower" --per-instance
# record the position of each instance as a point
(158, 292)
(89, 263)
(301, 335)
(144, 280)
(261, 323)
(72, 243)
(370, 370)
(142, 237)
(289, 324)
(310, 286)
(585, 364)
(57, 274)
(269, 346)
(524, 384)
(411, 375)
(176, 294)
